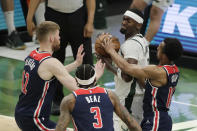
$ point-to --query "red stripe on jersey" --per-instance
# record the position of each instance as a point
(171, 69)
(169, 97)
(42, 99)
(39, 56)
(154, 99)
(156, 121)
(74, 125)
(37, 112)
(89, 91)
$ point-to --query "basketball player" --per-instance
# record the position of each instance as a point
(91, 106)
(38, 84)
(136, 51)
(159, 81)
(75, 18)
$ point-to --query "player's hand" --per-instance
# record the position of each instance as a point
(30, 27)
(88, 30)
(80, 54)
(107, 44)
(99, 69)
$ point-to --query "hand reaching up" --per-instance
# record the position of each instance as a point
(99, 68)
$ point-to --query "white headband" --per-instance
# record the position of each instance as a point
(134, 16)
(86, 82)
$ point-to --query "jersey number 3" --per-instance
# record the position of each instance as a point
(97, 116)
(25, 80)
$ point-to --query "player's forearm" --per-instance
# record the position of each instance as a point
(112, 68)
(59, 128)
(63, 122)
(129, 121)
(72, 66)
(133, 125)
(119, 61)
(91, 6)
(32, 9)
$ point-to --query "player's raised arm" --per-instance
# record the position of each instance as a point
(122, 112)
(78, 61)
(56, 68)
(66, 107)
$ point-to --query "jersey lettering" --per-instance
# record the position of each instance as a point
(25, 81)
(97, 116)
(174, 78)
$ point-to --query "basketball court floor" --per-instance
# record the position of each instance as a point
(184, 102)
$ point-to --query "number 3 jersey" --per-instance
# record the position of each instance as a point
(159, 98)
(93, 110)
(36, 94)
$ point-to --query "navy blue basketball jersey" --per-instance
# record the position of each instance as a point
(93, 110)
(36, 94)
(159, 98)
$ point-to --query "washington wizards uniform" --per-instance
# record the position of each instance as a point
(34, 106)
(157, 102)
(93, 110)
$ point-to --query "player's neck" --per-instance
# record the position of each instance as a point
(127, 36)
(45, 47)
(166, 62)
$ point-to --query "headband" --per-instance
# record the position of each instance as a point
(134, 16)
(86, 82)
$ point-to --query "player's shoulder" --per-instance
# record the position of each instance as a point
(51, 62)
(154, 68)
(68, 100)
(137, 40)
(52, 65)
(110, 93)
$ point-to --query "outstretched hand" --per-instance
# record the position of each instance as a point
(99, 69)
(80, 54)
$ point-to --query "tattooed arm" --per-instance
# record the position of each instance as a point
(122, 112)
(66, 108)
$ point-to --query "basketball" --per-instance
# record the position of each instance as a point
(98, 44)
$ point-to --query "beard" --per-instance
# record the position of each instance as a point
(123, 31)
(56, 45)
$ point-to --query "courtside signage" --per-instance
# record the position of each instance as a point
(180, 21)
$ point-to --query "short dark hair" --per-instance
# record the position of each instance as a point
(85, 72)
(136, 11)
(172, 48)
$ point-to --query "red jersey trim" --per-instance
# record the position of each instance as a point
(39, 56)
(171, 69)
(89, 91)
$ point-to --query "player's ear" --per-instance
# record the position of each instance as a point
(51, 37)
(138, 26)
